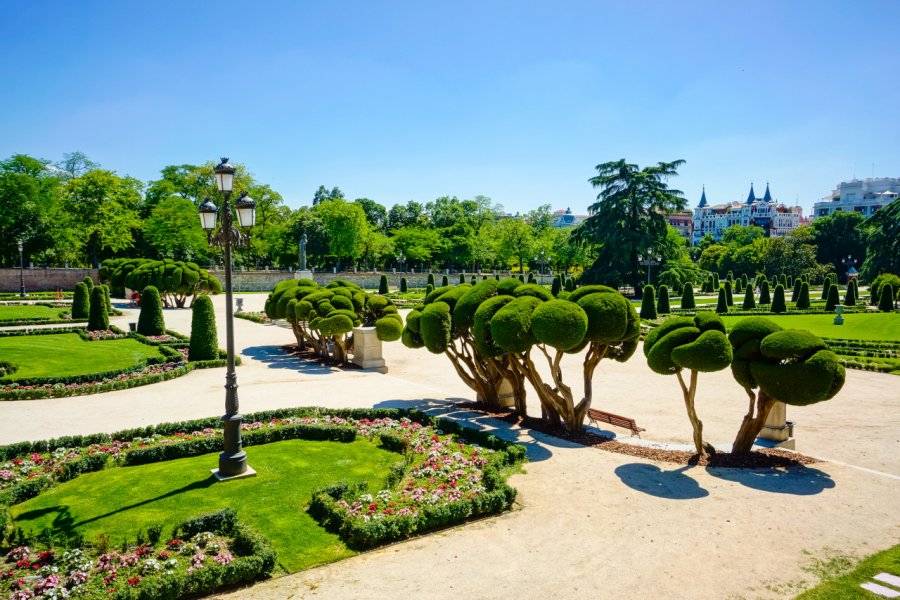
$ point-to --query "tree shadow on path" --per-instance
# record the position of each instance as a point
(650, 479)
(799, 481)
(276, 358)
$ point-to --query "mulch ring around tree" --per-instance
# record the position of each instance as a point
(766, 458)
(308, 354)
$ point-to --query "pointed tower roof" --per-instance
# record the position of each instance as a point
(768, 196)
(752, 197)
(702, 198)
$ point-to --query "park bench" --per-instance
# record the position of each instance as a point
(598, 416)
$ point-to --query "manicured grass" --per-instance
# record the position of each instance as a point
(119, 501)
(66, 354)
(857, 326)
(847, 586)
(28, 311)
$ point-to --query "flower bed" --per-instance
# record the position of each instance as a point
(256, 317)
(448, 473)
(213, 551)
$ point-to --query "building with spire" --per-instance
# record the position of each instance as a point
(776, 219)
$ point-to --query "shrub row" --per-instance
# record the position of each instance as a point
(182, 342)
(253, 316)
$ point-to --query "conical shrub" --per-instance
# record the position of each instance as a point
(832, 299)
(89, 283)
(850, 297)
(738, 286)
(749, 299)
(204, 341)
(403, 285)
(764, 296)
(462, 277)
(648, 303)
(570, 285)
(431, 279)
(687, 297)
(886, 299)
(554, 289)
(778, 305)
(715, 282)
(662, 305)
(383, 285)
(106, 298)
(150, 321)
(99, 318)
(81, 302)
(428, 289)
(722, 304)
(825, 285)
(444, 281)
(728, 297)
(803, 298)
(795, 294)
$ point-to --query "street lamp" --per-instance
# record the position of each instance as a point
(233, 460)
(542, 258)
(650, 262)
(401, 260)
(21, 269)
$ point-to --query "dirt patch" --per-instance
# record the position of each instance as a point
(309, 355)
(759, 459)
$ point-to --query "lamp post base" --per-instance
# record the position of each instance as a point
(249, 472)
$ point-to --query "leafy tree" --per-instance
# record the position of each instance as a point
(323, 195)
(515, 239)
(173, 229)
(346, 226)
(709, 259)
(882, 231)
(838, 235)
(418, 244)
(75, 164)
(740, 235)
(627, 219)
(29, 191)
(412, 214)
(376, 214)
(697, 344)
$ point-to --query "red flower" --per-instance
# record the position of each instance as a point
(133, 581)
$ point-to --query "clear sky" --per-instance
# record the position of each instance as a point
(515, 100)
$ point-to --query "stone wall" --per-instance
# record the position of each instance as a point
(44, 280)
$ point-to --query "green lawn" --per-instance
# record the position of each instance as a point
(28, 311)
(858, 326)
(119, 501)
(63, 354)
(847, 586)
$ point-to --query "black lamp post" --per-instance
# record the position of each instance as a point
(21, 269)
(650, 262)
(233, 460)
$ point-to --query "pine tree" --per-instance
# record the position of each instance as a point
(850, 297)
(404, 286)
(444, 281)
(795, 294)
(825, 285)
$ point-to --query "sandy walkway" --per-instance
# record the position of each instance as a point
(590, 523)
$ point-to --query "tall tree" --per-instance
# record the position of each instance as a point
(173, 229)
(322, 194)
(376, 214)
(515, 241)
(75, 164)
(346, 226)
(627, 218)
(836, 237)
(883, 237)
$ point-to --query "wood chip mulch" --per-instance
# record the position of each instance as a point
(766, 458)
(308, 354)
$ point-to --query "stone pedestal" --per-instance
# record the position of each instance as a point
(303, 275)
(776, 432)
(367, 350)
(505, 394)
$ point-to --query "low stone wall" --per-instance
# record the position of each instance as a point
(44, 280)
(263, 281)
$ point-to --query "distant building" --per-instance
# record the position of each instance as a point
(565, 218)
(862, 196)
(683, 221)
(776, 219)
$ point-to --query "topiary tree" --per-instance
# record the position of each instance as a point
(648, 303)
(695, 343)
(738, 286)
(176, 281)
(662, 305)
(795, 294)
(687, 297)
(150, 320)
(81, 302)
(850, 295)
(430, 280)
(764, 296)
(708, 285)
(833, 299)
(428, 289)
(106, 298)
(778, 304)
(204, 341)
(556, 287)
(784, 365)
(825, 287)
(749, 300)
(729, 299)
(878, 283)
(403, 285)
(722, 303)
(715, 281)
(383, 285)
(570, 285)
(462, 277)
(89, 283)
(803, 299)
(99, 318)
(886, 300)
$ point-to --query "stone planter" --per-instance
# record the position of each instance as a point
(776, 431)
(367, 350)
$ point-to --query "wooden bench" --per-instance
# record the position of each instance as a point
(598, 416)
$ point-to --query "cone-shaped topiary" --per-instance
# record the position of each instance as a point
(555, 287)
(722, 304)
(728, 297)
(204, 343)
(833, 299)
(531, 278)
(106, 298)
(662, 305)
(150, 321)
(648, 303)
(99, 318)
(522, 278)
(803, 297)
(444, 281)
(825, 285)
(687, 297)
(778, 305)
(738, 286)
(89, 283)
(81, 302)
(404, 287)
(790, 366)
(795, 294)
(749, 299)
(431, 280)
(570, 285)
(383, 285)
(428, 289)
(764, 295)
(886, 300)
(698, 344)
(715, 280)
(850, 296)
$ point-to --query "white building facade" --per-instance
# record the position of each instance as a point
(864, 196)
(776, 219)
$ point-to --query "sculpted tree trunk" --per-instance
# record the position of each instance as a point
(689, 392)
(752, 423)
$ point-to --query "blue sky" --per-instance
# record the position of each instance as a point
(518, 101)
